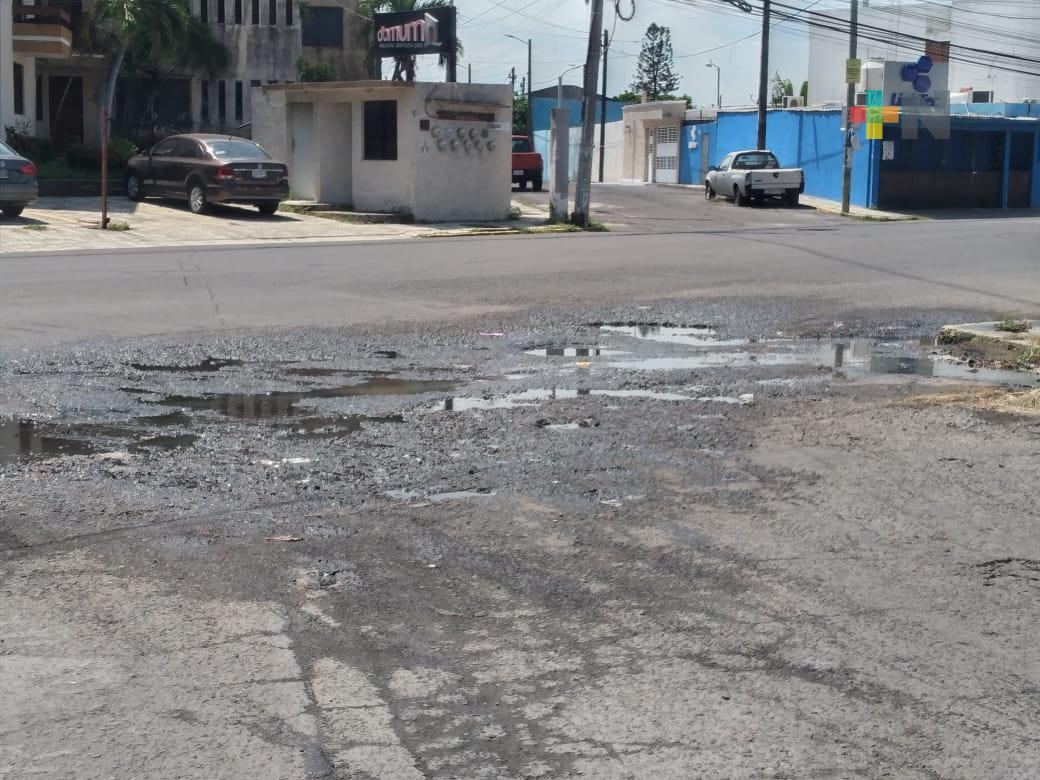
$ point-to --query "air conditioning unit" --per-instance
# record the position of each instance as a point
(985, 96)
(794, 101)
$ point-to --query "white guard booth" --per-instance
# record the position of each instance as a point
(435, 152)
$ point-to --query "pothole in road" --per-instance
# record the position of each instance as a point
(26, 440)
(313, 428)
(281, 403)
(208, 364)
(22, 440)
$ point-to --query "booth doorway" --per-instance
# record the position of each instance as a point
(302, 142)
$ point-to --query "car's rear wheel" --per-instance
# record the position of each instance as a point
(739, 197)
(133, 187)
(536, 184)
(791, 199)
(267, 209)
(197, 201)
(14, 210)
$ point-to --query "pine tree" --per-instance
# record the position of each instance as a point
(655, 72)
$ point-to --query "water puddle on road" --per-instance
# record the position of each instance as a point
(535, 397)
(284, 403)
(852, 359)
(691, 336)
(573, 352)
(22, 440)
(26, 440)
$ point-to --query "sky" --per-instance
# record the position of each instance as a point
(558, 29)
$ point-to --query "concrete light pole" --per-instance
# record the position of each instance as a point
(530, 127)
(718, 84)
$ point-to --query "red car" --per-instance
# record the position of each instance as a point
(527, 164)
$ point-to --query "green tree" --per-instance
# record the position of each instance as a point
(519, 113)
(628, 96)
(804, 93)
(319, 71)
(780, 89)
(655, 71)
(404, 64)
(118, 26)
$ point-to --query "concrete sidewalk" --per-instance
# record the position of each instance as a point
(63, 224)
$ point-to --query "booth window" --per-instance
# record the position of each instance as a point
(256, 12)
(380, 129)
(238, 11)
(272, 12)
(19, 89)
(322, 26)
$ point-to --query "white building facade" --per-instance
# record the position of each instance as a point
(1010, 27)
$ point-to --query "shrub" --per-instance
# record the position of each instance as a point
(39, 150)
(79, 155)
(120, 150)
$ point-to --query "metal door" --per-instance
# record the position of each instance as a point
(666, 155)
(302, 170)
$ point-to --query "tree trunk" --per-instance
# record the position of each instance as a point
(110, 85)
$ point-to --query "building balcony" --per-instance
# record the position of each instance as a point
(42, 31)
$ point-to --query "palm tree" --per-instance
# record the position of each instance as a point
(116, 26)
(404, 64)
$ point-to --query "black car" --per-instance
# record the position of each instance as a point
(205, 169)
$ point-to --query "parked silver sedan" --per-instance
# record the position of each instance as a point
(18, 187)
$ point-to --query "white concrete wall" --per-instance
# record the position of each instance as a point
(463, 183)
(6, 66)
(385, 185)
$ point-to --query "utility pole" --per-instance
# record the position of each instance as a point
(583, 187)
(512, 78)
(763, 76)
(469, 73)
(530, 108)
(850, 101)
(603, 108)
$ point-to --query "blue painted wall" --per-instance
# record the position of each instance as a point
(541, 118)
(811, 140)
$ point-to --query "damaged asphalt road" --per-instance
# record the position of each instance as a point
(678, 539)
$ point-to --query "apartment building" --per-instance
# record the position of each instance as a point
(57, 84)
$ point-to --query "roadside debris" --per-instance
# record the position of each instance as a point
(283, 538)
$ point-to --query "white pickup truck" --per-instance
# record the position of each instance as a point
(754, 175)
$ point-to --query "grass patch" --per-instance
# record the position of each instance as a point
(35, 226)
(62, 169)
(118, 227)
(991, 399)
(1011, 325)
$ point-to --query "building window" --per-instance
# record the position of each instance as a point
(204, 104)
(272, 12)
(220, 12)
(238, 100)
(380, 129)
(19, 89)
(238, 11)
(256, 11)
(203, 10)
(288, 13)
(322, 26)
(221, 103)
(254, 83)
(39, 98)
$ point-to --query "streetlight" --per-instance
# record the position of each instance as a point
(559, 86)
(530, 129)
(718, 84)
